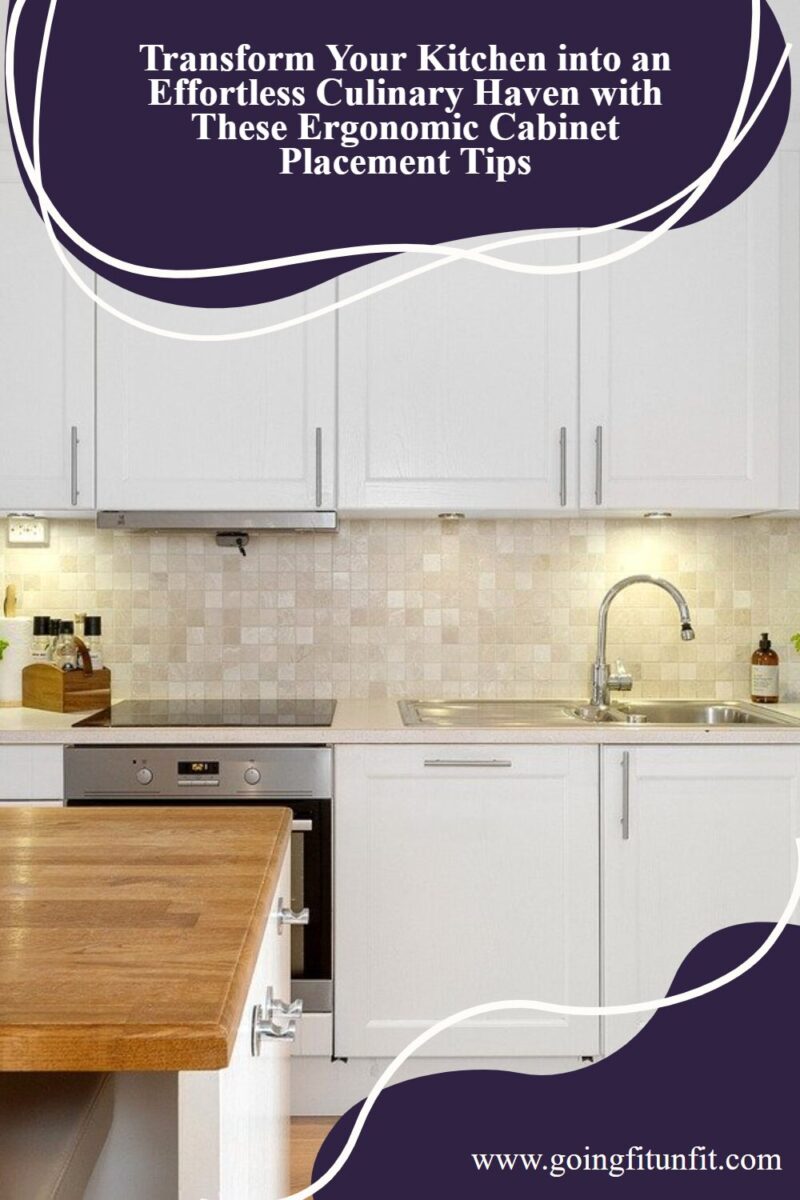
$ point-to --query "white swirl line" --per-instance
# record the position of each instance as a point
(446, 254)
(599, 1010)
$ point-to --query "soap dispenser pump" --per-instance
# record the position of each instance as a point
(764, 673)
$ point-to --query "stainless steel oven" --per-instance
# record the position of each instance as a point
(295, 777)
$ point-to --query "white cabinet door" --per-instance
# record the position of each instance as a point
(46, 358)
(689, 354)
(233, 1140)
(227, 425)
(31, 773)
(455, 387)
(461, 884)
(711, 844)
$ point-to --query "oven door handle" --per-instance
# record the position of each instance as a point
(302, 826)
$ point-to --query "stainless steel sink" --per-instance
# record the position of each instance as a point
(487, 714)
(525, 714)
(701, 712)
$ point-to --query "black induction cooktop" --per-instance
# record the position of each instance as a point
(146, 714)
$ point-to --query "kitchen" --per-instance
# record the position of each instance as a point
(286, 537)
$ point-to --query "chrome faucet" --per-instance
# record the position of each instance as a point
(603, 681)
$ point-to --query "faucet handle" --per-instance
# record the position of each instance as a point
(621, 679)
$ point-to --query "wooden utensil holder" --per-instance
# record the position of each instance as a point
(48, 687)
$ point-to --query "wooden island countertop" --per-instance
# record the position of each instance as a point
(128, 936)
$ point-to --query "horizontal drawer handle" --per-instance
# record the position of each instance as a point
(468, 762)
(302, 826)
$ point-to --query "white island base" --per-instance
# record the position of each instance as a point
(208, 1135)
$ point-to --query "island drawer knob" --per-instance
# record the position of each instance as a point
(294, 1010)
(265, 1026)
(288, 916)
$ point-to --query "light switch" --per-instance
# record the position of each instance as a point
(28, 531)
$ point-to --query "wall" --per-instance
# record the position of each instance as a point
(413, 608)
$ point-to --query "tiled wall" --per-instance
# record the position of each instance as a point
(410, 608)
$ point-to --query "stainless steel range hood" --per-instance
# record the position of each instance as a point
(310, 521)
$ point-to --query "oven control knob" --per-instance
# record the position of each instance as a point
(144, 775)
(252, 775)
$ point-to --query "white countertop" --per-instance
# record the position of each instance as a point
(378, 721)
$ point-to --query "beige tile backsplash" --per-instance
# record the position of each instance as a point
(422, 608)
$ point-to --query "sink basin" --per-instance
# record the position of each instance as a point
(487, 714)
(701, 712)
(682, 712)
(526, 714)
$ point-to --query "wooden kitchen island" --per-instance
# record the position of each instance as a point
(139, 941)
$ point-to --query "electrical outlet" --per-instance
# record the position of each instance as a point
(28, 531)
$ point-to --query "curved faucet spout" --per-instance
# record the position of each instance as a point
(602, 680)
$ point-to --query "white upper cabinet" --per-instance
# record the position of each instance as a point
(458, 388)
(46, 360)
(689, 361)
(216, 425)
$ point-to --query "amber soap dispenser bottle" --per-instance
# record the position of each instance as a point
(764, 673)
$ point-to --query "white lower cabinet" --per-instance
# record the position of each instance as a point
(710, 843)
(32, 773)
(465, 874)
(233, 1125)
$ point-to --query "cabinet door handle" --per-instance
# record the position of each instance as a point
(598, 465)
(467, 762)
(300, 825)
(626, 796)
(563, 463)
(73, 465)
(318, 472)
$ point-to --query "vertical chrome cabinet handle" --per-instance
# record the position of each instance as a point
(73, 465)
(563, 462)
(598, 465)
(626, 796)
(318, 450)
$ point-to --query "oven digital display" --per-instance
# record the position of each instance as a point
(198, 768)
